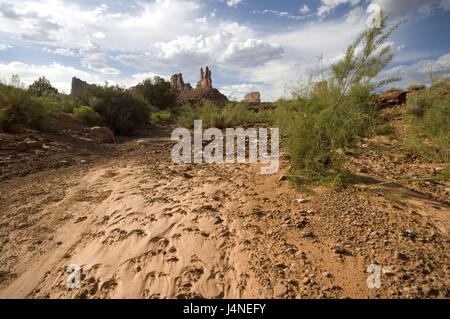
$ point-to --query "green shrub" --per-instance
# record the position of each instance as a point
(416, 86)
(157, 117)
(116, 105)
(86, 114)
(41, 87)
(392, 90)
(4, 120)
(319, 128)
(428, 135)
(157, 92)
(233, 114)
(419, 102)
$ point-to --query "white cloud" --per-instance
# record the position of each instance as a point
(59, 75)
(445, 4)
(238, 91)
(401, 8)
(99, 35)
(328, 5)
(305, 9)
(419, 71)
(61, 51)
(94, 58)
(4, 46)
(233, 3)
(251, 52)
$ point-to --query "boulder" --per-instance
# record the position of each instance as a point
(102, 134)
(392, 98)
(253, 97)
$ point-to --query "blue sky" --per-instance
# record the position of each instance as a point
(248, 44)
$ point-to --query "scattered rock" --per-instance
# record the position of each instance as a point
(302, 200)
(253, 97)
(392, 98)
(388, 271)
(338, 249)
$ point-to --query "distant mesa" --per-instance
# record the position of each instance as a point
(78, 86)
(177, 83)
(253, 97)
(203, 91)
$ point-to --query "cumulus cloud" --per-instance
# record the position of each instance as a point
(61, 51)
(419, 71)
(4, 46)
(233, 3)
(238, 91)
(445, 4)
(59, 75)
(94, 58)
(305, 9)
(328, 5)
(401, 8)
(251, 52)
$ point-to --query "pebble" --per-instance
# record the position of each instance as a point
(84, 162)
(216, 220)
(302, 200)
(388, 271)
(306, 234)
(326, 274)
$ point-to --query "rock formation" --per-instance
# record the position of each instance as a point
(253, 97)
(177, 83)
(203, 90)
(205, 79)
(392, 98)
(78, 86)
(320, 87)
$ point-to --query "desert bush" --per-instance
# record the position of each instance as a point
(116, 105)
(390, 90)
(233, 114)
(4, 120)
(157, 92)
(41, 87)
(428, 134)
(86, 114)
(416, 86)
(156, 116)
(419, 102)
(320, 127)
(20, 106)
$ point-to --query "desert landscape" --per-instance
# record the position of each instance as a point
(359, 207)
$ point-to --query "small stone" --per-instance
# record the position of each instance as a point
(410, 233)
(279, 290)
(373, 234)
(84, 162)
(216, 220)
(302, 200)
(388, 271)
(326, 274)
(307, 234)
(338, 249)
